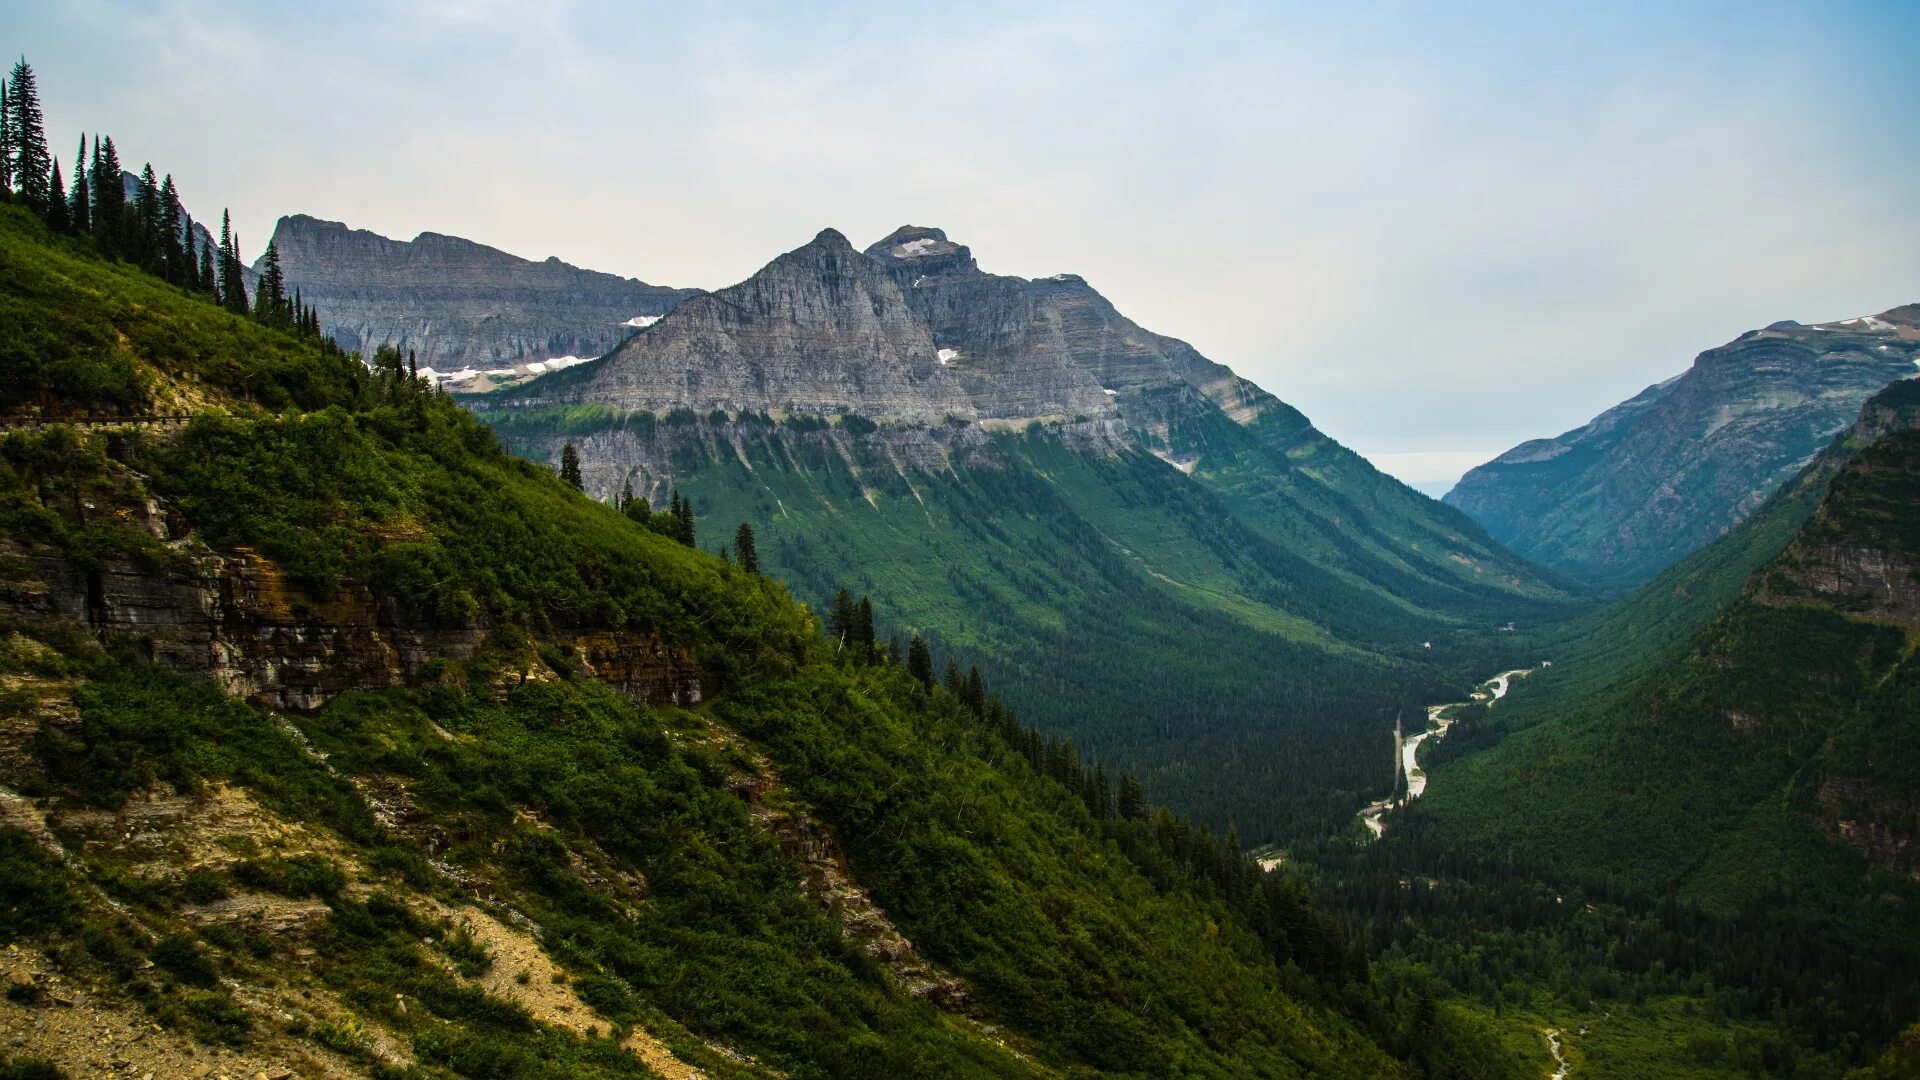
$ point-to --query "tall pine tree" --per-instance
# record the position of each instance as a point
(743, 547)
(57, 202)
(174, 255)
(6, 140)
(144, 243)
(109, 198)
(920, 661)
(569, 463)
(27, 129)
(270, 292)
(79, 202)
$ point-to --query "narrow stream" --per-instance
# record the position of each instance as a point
(1439, 719)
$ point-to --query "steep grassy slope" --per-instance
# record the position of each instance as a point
(537, 792)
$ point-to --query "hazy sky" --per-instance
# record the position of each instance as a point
(1437, 231)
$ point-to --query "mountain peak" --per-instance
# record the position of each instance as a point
(921, 250)
(831, 237)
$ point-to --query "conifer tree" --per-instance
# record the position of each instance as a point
(173, 253)
(79, 201)
(955, 681)
(863, 626)
(208, 283)
(31, 159)
(625, 498)
(973, 694)
(570, 466)
(109, 198)
(57, 202)
(1102, 802)
(1132, 804)
(743, 546)
(840, 619)
(683, 516)
(6, 141)
(920, 661)
(147, 249)
(233, 287)
(270, 296)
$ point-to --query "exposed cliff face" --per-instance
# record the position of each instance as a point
(1662, 474)
(458, 304)
(236, 619)
(822, 329)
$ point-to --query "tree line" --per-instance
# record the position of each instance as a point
(151, 230)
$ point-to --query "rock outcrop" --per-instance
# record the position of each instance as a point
(1666, 472)
(457, 304)
(821, 330)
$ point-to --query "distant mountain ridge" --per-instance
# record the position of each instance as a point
(1664, 473)
(456, 303)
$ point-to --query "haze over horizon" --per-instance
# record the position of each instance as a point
(1437, 234)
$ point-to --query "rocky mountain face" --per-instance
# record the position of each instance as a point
(461, 306)
(1660, 475)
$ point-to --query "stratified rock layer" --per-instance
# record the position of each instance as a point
(455, 303)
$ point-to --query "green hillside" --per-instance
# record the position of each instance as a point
(1705, 802)
(508, 854)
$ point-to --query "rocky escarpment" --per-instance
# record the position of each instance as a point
(1664, 473)
(236, 619)
(455, 303)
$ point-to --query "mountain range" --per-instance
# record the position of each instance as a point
(1114, 527)
(1659, 476)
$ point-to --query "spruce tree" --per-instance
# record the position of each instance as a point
(32, 161)
(57, 202)
(973, 694)
(684, 516)
(173, 253)
(208, 283)
(863, 626)
(6, 140)
(840, 619)
(109, 198)
(1132, 804)
(270, 295)
(920, 661)
(233, 287)
(79, 201)
(743, 547)
(569, 465)
(148, 247)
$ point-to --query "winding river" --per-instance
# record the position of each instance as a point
(1439, 719)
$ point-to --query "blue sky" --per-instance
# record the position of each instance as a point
(1437, 229)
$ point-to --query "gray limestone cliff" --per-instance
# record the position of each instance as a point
(456, 303)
